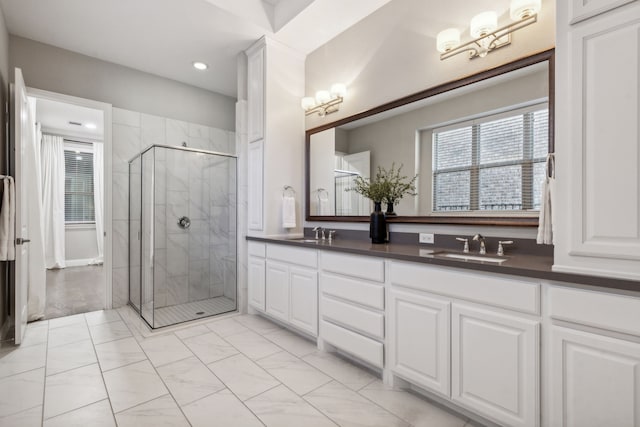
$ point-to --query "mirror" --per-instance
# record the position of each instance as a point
(478, 146)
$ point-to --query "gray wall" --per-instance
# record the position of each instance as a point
(4, 79)
(50, 68)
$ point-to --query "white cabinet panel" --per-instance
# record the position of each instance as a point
(605, 94)
(369, 350)
(256, 282)
(495, 365)
(277, 290)
(293, 255)
(595, 380)
(258, 249)
(579, 10)
(304, 299)
(361, 319)
(363, 267)
(255, 93)
(359, 291)
(255, 155)
(419, 338)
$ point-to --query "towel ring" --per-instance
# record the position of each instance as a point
(288, 190)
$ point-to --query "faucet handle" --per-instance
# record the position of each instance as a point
(500, 246)
(331, 234)
(466, 244)
(317, 229)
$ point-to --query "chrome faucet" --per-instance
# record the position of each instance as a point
(318, 229)
(480, 238)
(501, 248)
(466, 244)
(331, 234)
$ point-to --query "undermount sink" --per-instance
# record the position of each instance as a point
(468, 257)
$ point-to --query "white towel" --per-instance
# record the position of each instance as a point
(288, 212)
(323, 203)
(545, 221)
(8, 220)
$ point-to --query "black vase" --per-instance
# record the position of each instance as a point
(378, 225)
(390, 211)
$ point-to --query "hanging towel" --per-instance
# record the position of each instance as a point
(288, 211)
(545, 221)
(8, 220)
(323, 202)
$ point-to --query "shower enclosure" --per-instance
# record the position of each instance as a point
(182, 234)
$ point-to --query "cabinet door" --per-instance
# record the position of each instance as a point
(419, 338)
(255, 159)
(277, 290)
(581, 9)
(256, 282)
(495, 365)
(595, 380)
(255, 94)
(304, 299)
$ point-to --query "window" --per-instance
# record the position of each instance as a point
(496, 163)
(78, 187)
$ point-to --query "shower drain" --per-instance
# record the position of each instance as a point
(199, 313)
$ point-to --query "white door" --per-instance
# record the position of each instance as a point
(19, 138)
(304, 299)
(419, 333)
(352, 202)
(595, 380)
(495, 365)
(277, 290)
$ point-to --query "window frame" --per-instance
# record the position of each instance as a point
(81, 147)
(527, 161)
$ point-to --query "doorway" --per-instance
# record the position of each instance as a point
(75, 137)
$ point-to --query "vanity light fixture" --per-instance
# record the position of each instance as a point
(200, 65)
(325, 101)
(487, 37)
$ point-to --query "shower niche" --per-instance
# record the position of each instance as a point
(182, 234)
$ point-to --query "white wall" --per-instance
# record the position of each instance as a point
(80, 242)
(390, 54)
(50, 68)
(4, 84)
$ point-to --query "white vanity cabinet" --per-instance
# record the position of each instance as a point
(256, 275)
(594, 342)
(352, 305)
(464, 327)
(597, 219)
(291, 286)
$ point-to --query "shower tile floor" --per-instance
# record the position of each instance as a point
(174, 314)
(236, 371)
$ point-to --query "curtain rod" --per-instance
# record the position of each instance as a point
(71, 138)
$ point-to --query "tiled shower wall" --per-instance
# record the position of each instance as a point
(187, 272)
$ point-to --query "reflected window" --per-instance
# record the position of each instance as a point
(494, 163)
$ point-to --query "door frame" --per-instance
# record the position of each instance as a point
(108, 149)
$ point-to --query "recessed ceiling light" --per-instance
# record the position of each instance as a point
(200, 65)
(90, 126)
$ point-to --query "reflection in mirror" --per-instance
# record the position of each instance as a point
(479, 150)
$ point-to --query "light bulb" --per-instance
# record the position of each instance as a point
(448, 39)
(483, 24)
(521, 9)
(338, 90)
(308, 103)
(323, 96)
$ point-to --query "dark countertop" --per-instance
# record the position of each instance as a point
(533, 266)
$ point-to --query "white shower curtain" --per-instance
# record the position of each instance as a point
(98, 197)
(37, 285)
(53, 199)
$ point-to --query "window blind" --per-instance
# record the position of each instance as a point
(495, 163)
(78, 187)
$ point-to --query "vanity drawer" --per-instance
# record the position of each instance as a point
(363, 320)
(369, 350)
(291, 255)
(485, 288)
(363, 267)
(622, 313)
(359, 291)
(257, 249)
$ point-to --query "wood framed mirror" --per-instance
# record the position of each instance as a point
(477, 144)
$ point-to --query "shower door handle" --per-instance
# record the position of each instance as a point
(184, 222)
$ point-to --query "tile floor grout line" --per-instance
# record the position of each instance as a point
(73, 410)
(20, 412)
(104, 384)
(44, 383)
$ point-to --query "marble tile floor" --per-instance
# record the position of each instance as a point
(74, 290)
(241, 370)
